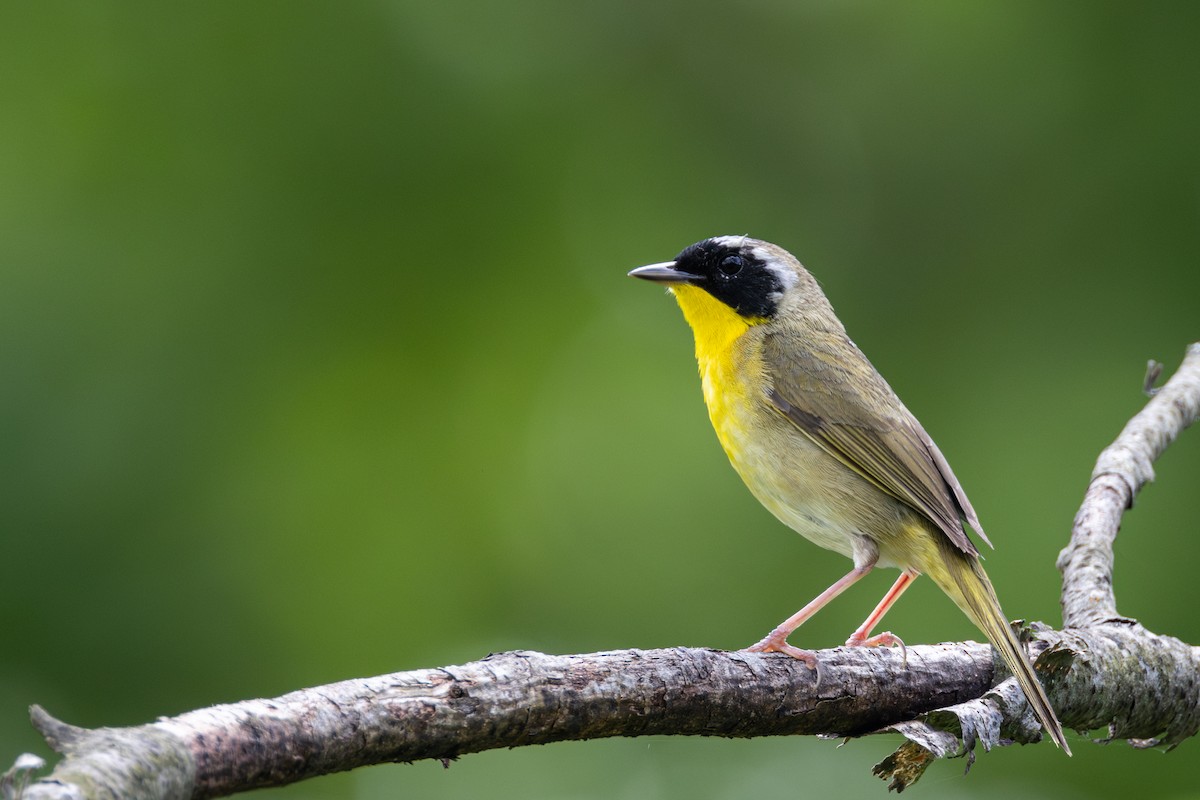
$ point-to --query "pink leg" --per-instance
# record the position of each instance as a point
(776, 640)
(862, 637)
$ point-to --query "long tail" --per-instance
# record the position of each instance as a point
(968, 586)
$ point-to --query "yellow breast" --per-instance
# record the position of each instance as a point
(723, 359)
(808, 490)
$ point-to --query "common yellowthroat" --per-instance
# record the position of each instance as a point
(825, 444)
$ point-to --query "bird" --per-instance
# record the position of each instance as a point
(824, 443)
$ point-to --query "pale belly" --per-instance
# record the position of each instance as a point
(804, 486)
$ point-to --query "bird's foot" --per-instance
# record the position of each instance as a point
(885, 639)
(776, 642)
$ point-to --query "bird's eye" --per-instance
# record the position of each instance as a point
(730, 265)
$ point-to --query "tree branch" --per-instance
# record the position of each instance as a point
(514, 699)
(1102, 671)
(1122, 469)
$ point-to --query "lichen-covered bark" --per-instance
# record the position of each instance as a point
(1122, 469)
(1121, 677)
(519, 698)
(114, 763)
(1116, 676)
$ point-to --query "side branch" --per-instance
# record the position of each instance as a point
(1122, 469)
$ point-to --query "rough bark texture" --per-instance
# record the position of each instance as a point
(1122, 469)
(520, 698)
(1102, 671)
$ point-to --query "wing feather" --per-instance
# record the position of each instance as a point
(847, 408)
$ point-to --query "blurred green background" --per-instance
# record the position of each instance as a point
(318, 358)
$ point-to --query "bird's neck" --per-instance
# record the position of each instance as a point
(715, 325)
(720, 350)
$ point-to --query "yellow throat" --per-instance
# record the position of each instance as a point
(721, 358)
(716, 325)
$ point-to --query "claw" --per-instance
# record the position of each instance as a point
(778, 644)
(885, 639)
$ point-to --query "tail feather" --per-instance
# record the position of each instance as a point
(968, 585)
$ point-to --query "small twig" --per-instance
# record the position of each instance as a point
(1122, 469)
(1153, 373)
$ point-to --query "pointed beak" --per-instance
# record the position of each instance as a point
(664, 273)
